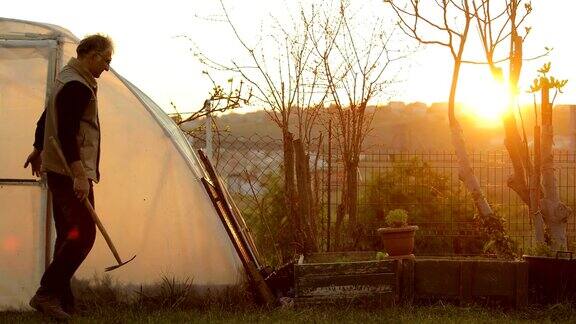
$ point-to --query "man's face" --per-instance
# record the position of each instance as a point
(100, 62)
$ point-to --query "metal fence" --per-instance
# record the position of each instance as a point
(424, 182)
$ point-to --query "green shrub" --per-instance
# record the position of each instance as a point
(444, 215)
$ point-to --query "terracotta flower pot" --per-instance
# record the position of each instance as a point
(398, 240)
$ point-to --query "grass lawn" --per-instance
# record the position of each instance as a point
(173, 302)
(439, 313)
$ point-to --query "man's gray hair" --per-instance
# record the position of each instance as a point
(94, 43)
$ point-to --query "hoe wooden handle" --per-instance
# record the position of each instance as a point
(87, 204)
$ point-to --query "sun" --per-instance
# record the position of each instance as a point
(483, 98)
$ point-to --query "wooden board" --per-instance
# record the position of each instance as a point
(433, 277)
(334, 257)
(377, 299)
(406, 281)
(469, 280)
(242, 245)
(349, 284)
(326, 278)
(334, 269)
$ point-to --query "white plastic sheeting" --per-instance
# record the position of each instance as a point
(21, 243)
(150, 197)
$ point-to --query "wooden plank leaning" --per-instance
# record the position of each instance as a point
(239, 241)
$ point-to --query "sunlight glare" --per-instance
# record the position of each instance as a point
(485, 99)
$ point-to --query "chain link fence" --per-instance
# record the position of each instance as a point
(423, 182)
(248, 165)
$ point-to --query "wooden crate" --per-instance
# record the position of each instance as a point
(346, 277)
(471, 279)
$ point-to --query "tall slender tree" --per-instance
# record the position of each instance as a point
(284, 79)
(356, 68)
(498, 24)
(450, 24)
(554, 212)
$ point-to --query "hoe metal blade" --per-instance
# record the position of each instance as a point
(118, 265)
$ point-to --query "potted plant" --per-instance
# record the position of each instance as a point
(398, 238)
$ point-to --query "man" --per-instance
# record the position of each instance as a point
(71, 117)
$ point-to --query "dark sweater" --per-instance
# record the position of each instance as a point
(71, 103)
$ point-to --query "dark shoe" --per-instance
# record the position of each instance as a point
(50, 306)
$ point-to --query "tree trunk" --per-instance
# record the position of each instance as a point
(517, 149)
(525, 180)
(304, 195)
(340, 216)
(555, 212)
(290, 191)
(522, 168)
(535, 190)
(465, 171)
(352, 185)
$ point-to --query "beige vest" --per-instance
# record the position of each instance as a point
(88, 137)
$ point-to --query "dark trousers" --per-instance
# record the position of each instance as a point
(75, 235)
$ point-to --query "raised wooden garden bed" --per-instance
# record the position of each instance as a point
(552, 279)
(471, 279)
(346, 277)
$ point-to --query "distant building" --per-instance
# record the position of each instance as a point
(397, 106)
(442, 108)
(383, 109)
(416, 108)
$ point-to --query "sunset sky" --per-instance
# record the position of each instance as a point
(151, 55)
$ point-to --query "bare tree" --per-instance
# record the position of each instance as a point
(555, 212)
(447, 23)
(496, 24)
(353, 69)
(454, 33)
(285, 81)
(194, 123)
(219, 101)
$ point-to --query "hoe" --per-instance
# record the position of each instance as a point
(88, 206)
